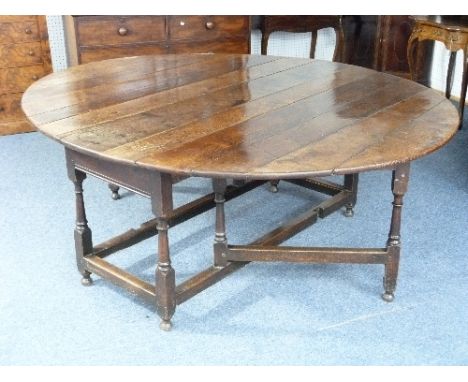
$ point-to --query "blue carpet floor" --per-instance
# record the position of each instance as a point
(264, 314)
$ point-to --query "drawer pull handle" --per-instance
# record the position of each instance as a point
(123, 31)
(182, 23)
(31, 53)
(28, 31)
(35, 77)
(209, 25)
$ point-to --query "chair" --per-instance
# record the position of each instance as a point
(303, 24)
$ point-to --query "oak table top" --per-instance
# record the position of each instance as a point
(242, 116)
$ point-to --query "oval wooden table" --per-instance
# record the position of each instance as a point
(143, 122)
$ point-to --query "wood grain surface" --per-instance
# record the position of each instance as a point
(241, 116)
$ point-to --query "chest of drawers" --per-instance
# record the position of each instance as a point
(24, 58)
(92, 38)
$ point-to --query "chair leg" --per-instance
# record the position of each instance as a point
(264, 46)
(339, 53)
(412, 45)
(464, 85)
(313, 44)
(449, 82)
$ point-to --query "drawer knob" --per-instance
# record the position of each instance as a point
(2, 108)
(35, 77)
(123, 31)
(31, 53)
(28, 31)
(209, 25)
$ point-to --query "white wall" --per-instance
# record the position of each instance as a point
(57, 42)
(439, 69)
(281, 44)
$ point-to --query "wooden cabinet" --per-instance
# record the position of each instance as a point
(380, 42)
(24, 58)
(92, 38)
(377, 42)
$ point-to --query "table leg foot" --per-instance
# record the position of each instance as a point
(115, 191)
(274, 186)
(165, 325)
(351, 184)
(349, 211)
(388, 296)
(87, 280)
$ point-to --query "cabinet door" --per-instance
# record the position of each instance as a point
(360, 40)
(395, 33)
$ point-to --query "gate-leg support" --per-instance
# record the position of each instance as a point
(399, 187)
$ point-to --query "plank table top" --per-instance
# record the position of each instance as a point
(241, 116)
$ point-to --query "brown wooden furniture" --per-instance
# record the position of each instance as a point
(137, 122)
(452, 31)
(24, 58)
(378, 42)
(94, 38)
(303, 24)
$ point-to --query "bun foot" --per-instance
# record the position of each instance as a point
(349, 212)
(165, 325)
(115, 191)
(274, 186)
(388, 297)
(86, 281)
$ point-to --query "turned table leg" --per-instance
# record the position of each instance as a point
(161, 200)
(351, 184)
(83, 236)
(220, 242)
(399, 187)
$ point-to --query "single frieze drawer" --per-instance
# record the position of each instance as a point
(115, 30)
(12, 55)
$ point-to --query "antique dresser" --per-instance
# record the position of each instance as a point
(93, 38)
(24, 58)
